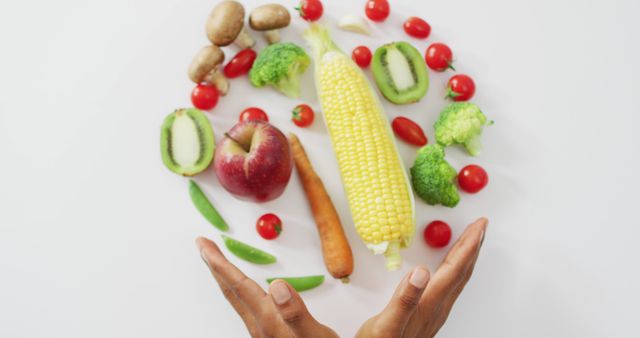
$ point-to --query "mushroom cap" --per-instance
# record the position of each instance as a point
(268, 17)
(207, 59)
(225, 23)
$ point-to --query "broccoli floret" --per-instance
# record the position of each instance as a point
(280, 65)
(461, 123)
(432, 177)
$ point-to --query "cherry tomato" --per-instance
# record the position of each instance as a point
(472, 178)
(460, 88)
(253, 113)
(437, 234)
(417, 28)
(205, 96)
(269, 226)
(439, 57)
(377, 10)
(240, 64)
(409, 131)
(310, 10)
(302, 115)
(362, 56)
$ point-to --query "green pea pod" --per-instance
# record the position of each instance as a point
(301, 283)
(205, 207)
(247, 252)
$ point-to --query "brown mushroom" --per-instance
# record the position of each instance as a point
(269, 19)
(225, 25)
(204, 68)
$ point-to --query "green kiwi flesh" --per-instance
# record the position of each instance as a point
(400, 72)
(187, 142)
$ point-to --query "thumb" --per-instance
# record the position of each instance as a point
(404, 301)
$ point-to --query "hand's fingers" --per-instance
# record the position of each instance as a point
(294, 313)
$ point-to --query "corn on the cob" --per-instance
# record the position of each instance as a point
(374, 178)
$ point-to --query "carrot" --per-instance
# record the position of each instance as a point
(335, 247)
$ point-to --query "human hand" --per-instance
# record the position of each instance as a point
(420, 305)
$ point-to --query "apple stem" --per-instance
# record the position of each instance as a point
(236, 141)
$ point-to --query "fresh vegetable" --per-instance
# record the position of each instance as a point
(301, 283)
(472, 178)
(240, 64)
(280, 65)
(409, 131)
(310, 10)
(204, 96)
(247, 252)
(302, 115)
(204, 68)
(225, 25)
(253, 113)
(461, 123)
(400, 73)
(433, 177)
(269, 226)
(187, 142)
(377, 10)
(417, 28)
(205, 207)
(377, 187)
(439, 57)
(354, 24)
(460, 88)
(437, 234)
(362, 56)
(270, 19)
(336, 251)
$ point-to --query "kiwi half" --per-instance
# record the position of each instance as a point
(400, 72)
(187, 142)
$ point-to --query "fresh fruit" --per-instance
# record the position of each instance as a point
(269, 226)
(336, 251)
(253, 161)
(472, 178)
(362, 56)
(301, 283)
(439, 57)
(354, 24)
(186, 142)
(460, 88)
(253, 113)
(280, 65)
(417, 28)
(461, 123)
(433, 177)
(302, 115)
(377, 10)
(205, 207)
(240, 64)
(409, 131)
(205, 96)
(247, 252)
(375, 182)
(310, 10)
(400, 73)
(437, 234)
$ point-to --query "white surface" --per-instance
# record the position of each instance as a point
(96, 236)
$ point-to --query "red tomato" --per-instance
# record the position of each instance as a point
(253, 113)
(269, 226)
(417, 28)
(409, 131)
(439, 57)
(310, 10)
(472, 178)
(302, 115)
(377, 10)
(240, 64)
(205, 96)
(437, 234)
(362, 56)
(460, 88)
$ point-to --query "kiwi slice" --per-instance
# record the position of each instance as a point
(187, 142)
(400, 72)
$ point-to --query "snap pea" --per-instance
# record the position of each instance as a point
(301, 283)
(205, 207)
(247, 252)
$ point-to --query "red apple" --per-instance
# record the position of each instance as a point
(253, 161)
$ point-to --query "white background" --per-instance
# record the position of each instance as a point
(96, 236)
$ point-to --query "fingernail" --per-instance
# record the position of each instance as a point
(280, 293)
(202, 254)
(419, 277)
(481, 237)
